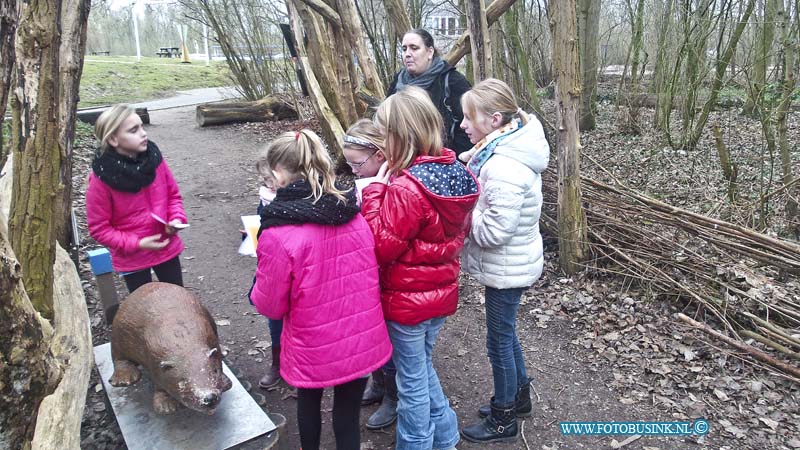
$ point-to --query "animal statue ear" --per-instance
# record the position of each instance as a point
(212, 351)
(166, 365)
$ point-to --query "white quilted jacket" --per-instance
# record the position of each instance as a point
(504, 247)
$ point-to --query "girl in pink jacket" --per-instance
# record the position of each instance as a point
(317, 271)
(133, 205)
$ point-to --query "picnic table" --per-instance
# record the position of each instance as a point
(101, 52)
(168, 52)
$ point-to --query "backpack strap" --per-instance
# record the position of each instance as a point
(452, 129)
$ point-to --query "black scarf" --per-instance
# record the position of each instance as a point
(294, 205)
(124, 173)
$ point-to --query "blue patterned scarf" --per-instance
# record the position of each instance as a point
(485, 147)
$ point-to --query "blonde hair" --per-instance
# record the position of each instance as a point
(492, 96)
(366, 135)
(412, 125)
(263, 169)
(109, 122)
(302, 154)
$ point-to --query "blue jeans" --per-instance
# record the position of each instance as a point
(425, 419)
(502, 345)
(275, 330)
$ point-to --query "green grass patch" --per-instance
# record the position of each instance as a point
(108, 80)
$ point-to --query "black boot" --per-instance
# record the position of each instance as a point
(523, 402)
(387, 412)
(375, 390)
(273, 375)
(499, 426)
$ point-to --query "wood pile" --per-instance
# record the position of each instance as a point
(728, 271)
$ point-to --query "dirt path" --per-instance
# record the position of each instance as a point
(214, 168)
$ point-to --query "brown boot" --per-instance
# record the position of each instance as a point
(273, 375)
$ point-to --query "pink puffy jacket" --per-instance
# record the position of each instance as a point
(119, 220)
(323, 282)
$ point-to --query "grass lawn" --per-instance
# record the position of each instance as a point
(108, 80)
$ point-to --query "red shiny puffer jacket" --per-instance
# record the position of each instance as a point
(420, 221)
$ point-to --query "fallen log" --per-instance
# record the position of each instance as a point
(266, 109)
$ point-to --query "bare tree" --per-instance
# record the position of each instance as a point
(572, 232)
(36, 136)
(248, 35)
(28, 369)
(661, 70)
(74, 19)
(790, 33)
(480, 41)
(588, 31)
(765, 36)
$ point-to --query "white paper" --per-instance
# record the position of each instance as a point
(179, 226)
(251, 225)
(361, 183)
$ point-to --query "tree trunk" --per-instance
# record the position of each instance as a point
(790, 31)
(721, 67)
(58, 424)
(588, 31)
(700, 24)
(763, 48)
(573, 245)
(480, 41)
(316, 45)
(37, 149)
(346, 76)
(266, 109)
(396, 12)
(355, 36)
(74, 19)
(730, 171)
(26, 360)
(527, 87)
(661, 71)
(332, 130)
(637, 43)
(28, 372)
(8, 28)
(462, 46)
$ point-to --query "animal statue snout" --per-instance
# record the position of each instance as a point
(210, 399)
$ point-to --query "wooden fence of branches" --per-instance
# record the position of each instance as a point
(725, 269)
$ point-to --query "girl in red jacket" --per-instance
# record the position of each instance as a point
(133, 205)
(419, 212)
(317, 272)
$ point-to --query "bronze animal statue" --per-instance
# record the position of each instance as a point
(165, 328)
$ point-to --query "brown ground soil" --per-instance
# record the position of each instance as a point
(597, 350)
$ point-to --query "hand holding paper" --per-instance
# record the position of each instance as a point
(173, 226)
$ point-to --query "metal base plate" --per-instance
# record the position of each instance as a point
(238, 418)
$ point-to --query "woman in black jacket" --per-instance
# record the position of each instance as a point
(424, 68)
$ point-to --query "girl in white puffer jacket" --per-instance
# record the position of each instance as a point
(504, 247)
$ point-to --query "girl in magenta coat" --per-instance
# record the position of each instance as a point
(129, 188)
(317, 271)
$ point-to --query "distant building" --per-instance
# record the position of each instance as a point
(444, 24)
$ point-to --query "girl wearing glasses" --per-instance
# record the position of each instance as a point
(363, 148)
(364, 152)
(317, 271)
(419, 210)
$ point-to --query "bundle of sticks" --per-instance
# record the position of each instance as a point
(683, 255)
